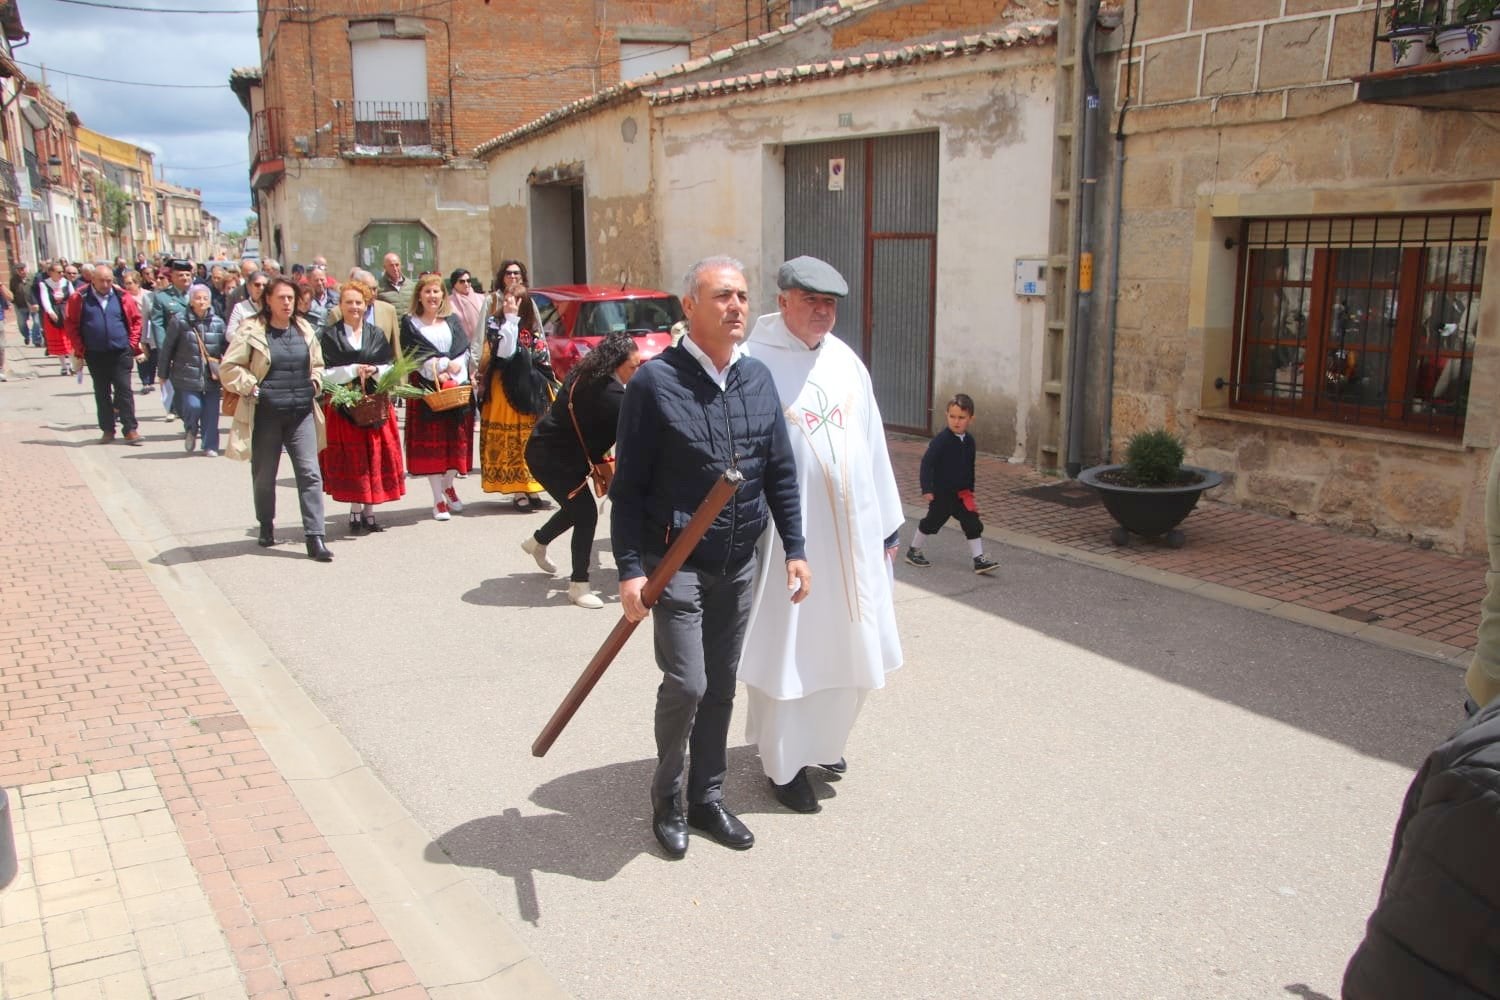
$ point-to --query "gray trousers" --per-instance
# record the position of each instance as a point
(700, 625)
(298, 434)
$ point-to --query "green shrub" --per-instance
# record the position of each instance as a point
(1154, 458)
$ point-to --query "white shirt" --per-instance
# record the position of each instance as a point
(440, 335)
(721, 378)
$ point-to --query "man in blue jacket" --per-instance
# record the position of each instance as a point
(701, 407)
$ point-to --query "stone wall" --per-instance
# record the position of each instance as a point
(1247, 113)
(324, 207)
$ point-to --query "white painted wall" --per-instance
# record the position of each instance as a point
(719, 190)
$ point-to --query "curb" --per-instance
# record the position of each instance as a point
(1442, 652)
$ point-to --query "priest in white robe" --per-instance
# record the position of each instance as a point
(809, 666)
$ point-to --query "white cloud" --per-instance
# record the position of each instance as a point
(186, 128)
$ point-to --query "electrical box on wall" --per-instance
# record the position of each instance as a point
(1031, 276)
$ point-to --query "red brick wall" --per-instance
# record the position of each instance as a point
(897, 22)
(496, 65)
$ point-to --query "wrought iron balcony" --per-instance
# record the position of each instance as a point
(392, 128)
(10, 188)
(266, 142)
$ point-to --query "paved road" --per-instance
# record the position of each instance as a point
(1080, 784)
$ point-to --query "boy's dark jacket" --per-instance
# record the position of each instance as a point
(948, 464)
(678, 433)
(1436, 931)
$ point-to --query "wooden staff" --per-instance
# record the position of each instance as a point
(677, 554)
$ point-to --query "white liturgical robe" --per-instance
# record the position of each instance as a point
(808, 666)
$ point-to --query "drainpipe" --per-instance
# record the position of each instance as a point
(1083, 291)
(1117, 186)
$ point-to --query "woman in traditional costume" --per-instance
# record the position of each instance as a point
(515, 384)
(439, 444)
(53, 301)
(362, 466)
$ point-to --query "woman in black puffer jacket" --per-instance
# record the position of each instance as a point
(195, 337)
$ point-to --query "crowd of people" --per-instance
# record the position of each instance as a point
(314, 367)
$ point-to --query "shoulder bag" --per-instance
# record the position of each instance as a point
(210, 366)
(600, 473)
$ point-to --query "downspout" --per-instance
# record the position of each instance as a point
(1083, 289)
(1117, 187)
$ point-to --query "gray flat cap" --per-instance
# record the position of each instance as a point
(812, 275)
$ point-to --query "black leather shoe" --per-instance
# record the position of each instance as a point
(797, 794)
(267, 536)
(356, 526)
(670, 827)
(837, 767)
(372, 526)
(721, 824)
(317, 550)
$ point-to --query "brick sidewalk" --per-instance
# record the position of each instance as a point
(103, 692)
(1423, 594)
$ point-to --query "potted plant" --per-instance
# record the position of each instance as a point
(1482, 22)
(1151, 493)
(1409, 27)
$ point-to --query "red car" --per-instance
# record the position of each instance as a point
(575, 318)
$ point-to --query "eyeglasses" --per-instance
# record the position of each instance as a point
(461, 281)
(512, 273)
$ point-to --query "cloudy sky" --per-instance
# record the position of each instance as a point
(198, 132)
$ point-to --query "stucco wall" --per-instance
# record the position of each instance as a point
(721, 191)
(1275, 131)
(611, 149)
(321, 206)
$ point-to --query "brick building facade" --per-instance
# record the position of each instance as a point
(364, 116)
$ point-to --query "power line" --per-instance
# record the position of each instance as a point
(125, 83)
(158, 10)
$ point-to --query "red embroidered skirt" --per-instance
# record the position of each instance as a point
(362, 464)
(437, 442)
(57, 341)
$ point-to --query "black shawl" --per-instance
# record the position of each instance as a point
(374, 348)
(412, 342)
(526, 376)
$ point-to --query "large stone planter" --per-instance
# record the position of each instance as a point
(1150, 512)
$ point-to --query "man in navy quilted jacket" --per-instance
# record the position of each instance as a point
(701, 407)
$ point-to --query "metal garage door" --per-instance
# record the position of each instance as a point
(869, 208)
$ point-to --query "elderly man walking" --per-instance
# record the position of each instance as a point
(700, 408)
(395, 287)
(808, 667)
(103, 327)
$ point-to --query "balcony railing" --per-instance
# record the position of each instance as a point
(266, 136)
(10, 189)
(399, 128)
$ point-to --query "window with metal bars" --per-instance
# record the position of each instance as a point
(1360, 319)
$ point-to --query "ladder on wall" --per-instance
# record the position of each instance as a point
(1062, 237)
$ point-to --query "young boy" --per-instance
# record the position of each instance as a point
(948, 487)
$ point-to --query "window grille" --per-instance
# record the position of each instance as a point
(1360, 319)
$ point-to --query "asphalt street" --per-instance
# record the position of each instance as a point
(1079, 785)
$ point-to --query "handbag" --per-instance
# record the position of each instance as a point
(228, 403)
(210, 366)
(600, 473)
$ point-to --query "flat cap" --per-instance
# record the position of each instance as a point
(178, 264)
(812, 275)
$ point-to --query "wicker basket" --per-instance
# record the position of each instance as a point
(371, 411)
(451, 398)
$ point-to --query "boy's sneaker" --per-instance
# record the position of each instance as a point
(915, 557)
(983, 565)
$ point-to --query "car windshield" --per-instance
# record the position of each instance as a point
(596, 319)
